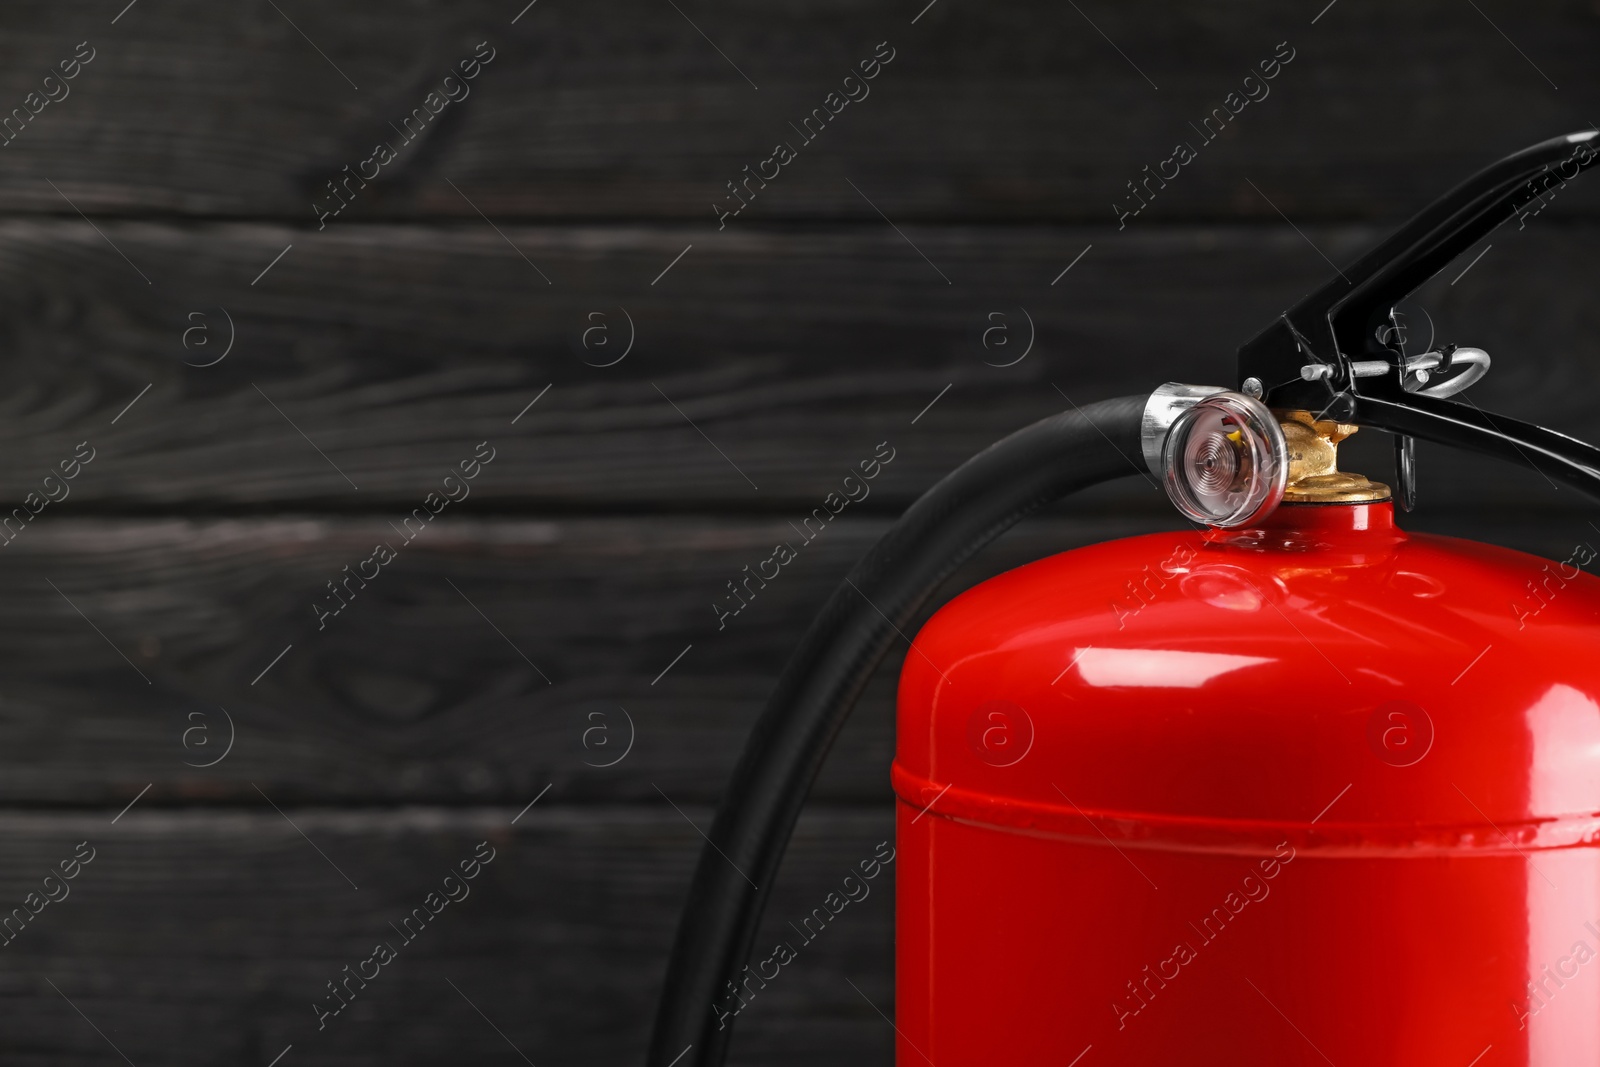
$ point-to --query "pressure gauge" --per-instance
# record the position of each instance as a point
(1225, 461)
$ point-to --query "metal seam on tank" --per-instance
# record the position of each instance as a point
(1153, 831)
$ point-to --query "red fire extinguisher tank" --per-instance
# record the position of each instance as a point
(1313, 792)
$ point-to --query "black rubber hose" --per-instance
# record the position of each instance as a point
(820, 684)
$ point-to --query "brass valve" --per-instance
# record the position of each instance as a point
(1314, 474)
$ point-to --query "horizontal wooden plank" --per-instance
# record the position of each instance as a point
(763, 368)
(1018, 111)
(236, 921)
(489, 661)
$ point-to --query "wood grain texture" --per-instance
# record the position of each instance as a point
(232, 923)
(1017, 111)
(431, 685)
(764, 367)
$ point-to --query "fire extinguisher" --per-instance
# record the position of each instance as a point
(1292, 786)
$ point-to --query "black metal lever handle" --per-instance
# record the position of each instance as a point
(1449, 226)
(1339, 321)
(1420, 250)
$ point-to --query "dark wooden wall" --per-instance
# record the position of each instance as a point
(146, 611)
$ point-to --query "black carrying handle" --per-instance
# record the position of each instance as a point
(1339, 322)
(1560, 457)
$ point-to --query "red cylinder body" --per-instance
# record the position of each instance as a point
(1317, 792)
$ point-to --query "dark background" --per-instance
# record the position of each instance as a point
(460, 684)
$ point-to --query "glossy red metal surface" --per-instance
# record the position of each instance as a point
(1318, 792)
